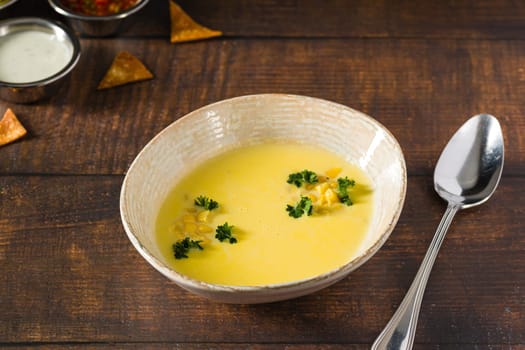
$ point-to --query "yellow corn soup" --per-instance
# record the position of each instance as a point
(250, 186)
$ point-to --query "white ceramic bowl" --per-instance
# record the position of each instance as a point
(252, 119)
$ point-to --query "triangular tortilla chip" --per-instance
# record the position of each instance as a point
(125, 69)
(10, 128)
(184, 28)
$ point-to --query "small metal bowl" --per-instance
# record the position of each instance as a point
(97, 26)
(4, 4)
(27, 91)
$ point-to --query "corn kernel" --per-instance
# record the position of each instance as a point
(203, 216)
(331, 196)
(204, 229)
(312, 197)
(190, 227)
(333, 172)
(176, 232)
(322, 187)
(322, 178)
(186, 218)
(178, 226)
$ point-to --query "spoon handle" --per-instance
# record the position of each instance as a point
(400, 331)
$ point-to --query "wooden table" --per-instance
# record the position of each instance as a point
(69, 277)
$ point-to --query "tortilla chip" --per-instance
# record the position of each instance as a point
(184, 28)
(10, 128)
(125, 69)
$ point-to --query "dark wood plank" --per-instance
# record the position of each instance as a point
(361, 18)
(71, 279)
(328, 18)
(251, 346)
(203, 346)
(69, 275)
(422, 90)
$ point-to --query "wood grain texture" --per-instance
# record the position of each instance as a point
(70, 275)
(251, 346)
(428, 86)
(493, 19)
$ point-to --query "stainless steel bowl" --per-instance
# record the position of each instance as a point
(97, 26)
(29, 92)
(4, 4)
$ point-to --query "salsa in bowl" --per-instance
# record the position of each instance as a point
(98, 18)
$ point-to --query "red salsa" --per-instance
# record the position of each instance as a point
(98, 7)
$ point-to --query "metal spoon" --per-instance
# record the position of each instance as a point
(466, 174)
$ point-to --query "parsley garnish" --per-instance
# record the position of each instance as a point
(182, 247)
(304, 206)
(224, 232)
(206, 203)
(342, 190)
(305, 176)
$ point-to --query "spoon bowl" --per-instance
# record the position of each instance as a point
(466, 174)
(469, 168)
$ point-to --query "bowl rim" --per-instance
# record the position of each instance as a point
(65, 11)
(197, 285)
(7, 4)
(28, 23)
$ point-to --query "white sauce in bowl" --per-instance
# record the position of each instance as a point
(32, 55)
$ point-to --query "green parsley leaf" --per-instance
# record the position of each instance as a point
(183, 246)
(305, 176)
(206, 203)
(304, 206)
(343, 183)
(224, 232)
